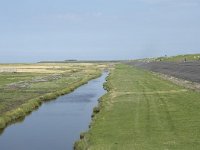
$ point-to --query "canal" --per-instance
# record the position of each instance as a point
(57, 124)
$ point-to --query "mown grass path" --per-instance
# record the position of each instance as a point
(144, 112)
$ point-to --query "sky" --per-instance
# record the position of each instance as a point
(35, 30)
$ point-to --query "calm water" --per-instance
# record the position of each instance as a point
(56, 125)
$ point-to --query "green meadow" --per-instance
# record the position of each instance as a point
(143, 112)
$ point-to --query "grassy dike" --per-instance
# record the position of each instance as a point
(143, 112)
(20, 112)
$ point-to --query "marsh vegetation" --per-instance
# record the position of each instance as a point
(56, 124)
(23, 87)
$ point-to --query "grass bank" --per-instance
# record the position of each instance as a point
(142, 111)
(17, 100)
(180, 58)
(177, 58)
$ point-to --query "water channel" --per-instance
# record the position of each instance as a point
(57, 124)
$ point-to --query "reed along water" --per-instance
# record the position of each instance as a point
(57, 124)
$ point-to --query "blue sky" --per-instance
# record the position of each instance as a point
(34, 30)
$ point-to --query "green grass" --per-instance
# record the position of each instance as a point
(17, 102)
(177, 58)
(6, 78)
(143, 112)
(180, 58)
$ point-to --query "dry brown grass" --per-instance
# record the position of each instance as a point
(47, 67)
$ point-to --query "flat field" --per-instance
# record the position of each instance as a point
(144, 112)
(24, 86)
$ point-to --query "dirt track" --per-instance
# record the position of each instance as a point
(185, 70)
